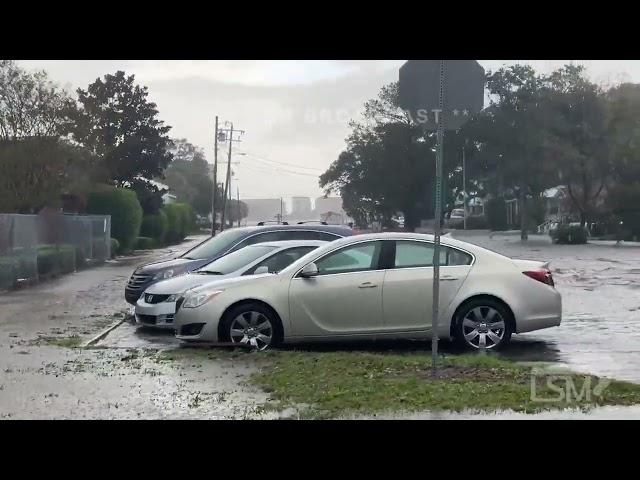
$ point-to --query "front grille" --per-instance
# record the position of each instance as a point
(153, 298)
(137, 281)
(147, 319)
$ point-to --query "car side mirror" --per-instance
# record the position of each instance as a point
(309, 270)
(261, 269)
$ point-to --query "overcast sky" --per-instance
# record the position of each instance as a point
(294, 113)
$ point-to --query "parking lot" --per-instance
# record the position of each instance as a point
(124, 376)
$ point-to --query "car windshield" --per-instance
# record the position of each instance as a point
(236, 260)
(215, 246)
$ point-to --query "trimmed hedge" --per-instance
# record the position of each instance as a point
(155, 226)
(125, 210)
(181, 220)
(568, 234)
(56, 259)
(145, 243)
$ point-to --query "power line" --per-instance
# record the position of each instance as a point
(279, 170)
(264, 159)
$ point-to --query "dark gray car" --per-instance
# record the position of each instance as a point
(223, 243)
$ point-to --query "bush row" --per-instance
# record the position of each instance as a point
(171, 224)
(568, 234)
(44, 260)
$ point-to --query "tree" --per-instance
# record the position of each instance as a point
(119, 124)
(37, 171)
(623, 195)
(386, 166)
(189, 178)
(513, 135)
(235, 211)
(31, 105)
(582, 137)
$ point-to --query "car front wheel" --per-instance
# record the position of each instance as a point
(483, 323)
(252, 325)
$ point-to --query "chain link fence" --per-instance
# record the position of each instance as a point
(35, 247)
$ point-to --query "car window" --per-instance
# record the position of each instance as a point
(215, 246)
(281, 260)
(420, 254)
(363, 256)
(311, 235)
(236, 260)
(260, 238)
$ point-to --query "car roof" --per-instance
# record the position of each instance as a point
(289, 243)
(337, 229)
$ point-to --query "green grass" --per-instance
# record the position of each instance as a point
(336, 384)
(73, 341)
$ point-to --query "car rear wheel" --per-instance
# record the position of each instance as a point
(483, 323)
(252, 325)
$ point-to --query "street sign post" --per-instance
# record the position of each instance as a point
(440, 95)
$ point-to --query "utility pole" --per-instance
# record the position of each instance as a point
(238, 204)
(215, 181)
(464, 186)
(227, 181)
(227, 192)
(281, 209)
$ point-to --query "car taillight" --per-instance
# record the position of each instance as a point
(541, 274)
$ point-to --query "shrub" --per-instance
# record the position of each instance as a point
(155, 226)
(568, 234)
(55, 259)
(496, 214)
(8, 271)
(145, 243)
(173, 222)
(115, 247)
(180, 221)
(124, 208)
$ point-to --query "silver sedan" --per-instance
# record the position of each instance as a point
(157, 306)
(377, 286)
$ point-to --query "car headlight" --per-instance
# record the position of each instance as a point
(164, 275)
(173, 298)
(198, 299)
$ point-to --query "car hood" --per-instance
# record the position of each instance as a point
(179, 264)
(182, 283)
(232, 282)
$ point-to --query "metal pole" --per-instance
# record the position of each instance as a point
(238, 204)
(227, 182)
(437, 229)
(280, 209)
(464, 186)
(215, 182)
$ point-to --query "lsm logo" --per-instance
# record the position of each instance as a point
(563, 387)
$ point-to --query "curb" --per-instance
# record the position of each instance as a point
(104, 333)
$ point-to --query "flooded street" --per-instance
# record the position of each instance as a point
(600, 286)
(41, 377)
(135, 372)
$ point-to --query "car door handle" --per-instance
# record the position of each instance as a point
(367, 285)
(448, 278)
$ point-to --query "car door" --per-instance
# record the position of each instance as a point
(408, 283)
(344, 298)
